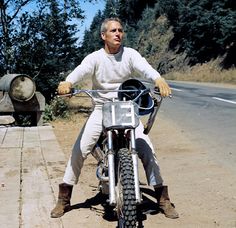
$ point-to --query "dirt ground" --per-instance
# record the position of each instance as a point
(203, 191)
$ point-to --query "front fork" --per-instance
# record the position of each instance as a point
(111, 168)
(135, 166)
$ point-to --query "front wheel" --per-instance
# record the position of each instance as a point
(126, 203)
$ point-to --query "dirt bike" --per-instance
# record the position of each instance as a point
(115, 151)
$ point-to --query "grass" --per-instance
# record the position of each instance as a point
(208, 72)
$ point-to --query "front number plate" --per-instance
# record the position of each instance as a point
(120, 114)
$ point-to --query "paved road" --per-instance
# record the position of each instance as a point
(208, 113)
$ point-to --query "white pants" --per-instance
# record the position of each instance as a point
(89, 136)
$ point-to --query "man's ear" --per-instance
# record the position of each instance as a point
(103, 35)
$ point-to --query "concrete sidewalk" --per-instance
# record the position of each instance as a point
(31, 167)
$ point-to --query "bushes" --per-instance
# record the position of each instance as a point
(58, 107)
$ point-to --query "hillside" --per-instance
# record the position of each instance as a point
(154, 45)
(189, 40)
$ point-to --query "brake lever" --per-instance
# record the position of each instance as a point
(156, 91)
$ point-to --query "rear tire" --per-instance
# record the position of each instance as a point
(126, 203)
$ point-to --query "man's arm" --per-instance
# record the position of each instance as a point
(141, 66)
(86, 68)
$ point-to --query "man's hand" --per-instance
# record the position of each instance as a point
(64, 87)
(163, 87)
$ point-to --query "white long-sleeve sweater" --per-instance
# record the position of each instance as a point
(108, 71)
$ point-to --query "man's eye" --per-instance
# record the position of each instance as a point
(119, 30)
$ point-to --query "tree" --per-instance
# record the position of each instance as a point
(92, 40)
(130, 12)
(40, 43)
(7, 33)
(204, 29)
(57, 51)
(111, 9)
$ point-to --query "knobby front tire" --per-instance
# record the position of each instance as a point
(127, 209)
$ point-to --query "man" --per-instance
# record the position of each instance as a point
(108, 68)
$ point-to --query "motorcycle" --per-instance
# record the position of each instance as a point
(115, 151)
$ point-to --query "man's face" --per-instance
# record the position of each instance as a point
(114, 35)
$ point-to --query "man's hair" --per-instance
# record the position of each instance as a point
(104, 23)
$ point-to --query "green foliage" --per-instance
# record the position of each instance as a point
(58, 107)
(92, 40)
(203, 29)
(130, 12)
(111, 9)
(24, 119)
(127, 11)
(41, 43)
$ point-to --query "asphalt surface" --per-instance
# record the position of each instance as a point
(208, 114)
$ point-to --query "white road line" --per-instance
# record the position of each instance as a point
(176, 89)
(221, 99)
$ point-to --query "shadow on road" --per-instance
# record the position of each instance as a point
(148, 206)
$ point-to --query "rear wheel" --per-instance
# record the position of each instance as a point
(126, 203)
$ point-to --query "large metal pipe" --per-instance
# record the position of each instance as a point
(20, 87)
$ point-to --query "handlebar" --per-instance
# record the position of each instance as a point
(89, 92)
(154, 93)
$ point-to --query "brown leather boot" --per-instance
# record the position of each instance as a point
(163, 201)
(63, 202)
